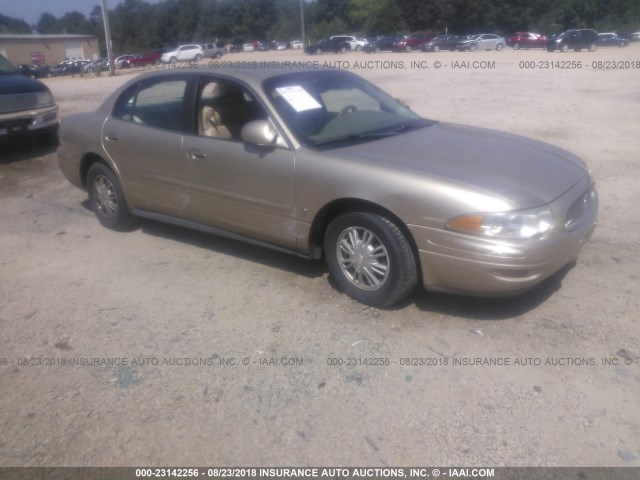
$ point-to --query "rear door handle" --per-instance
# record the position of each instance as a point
(113, 138)
(196, 154)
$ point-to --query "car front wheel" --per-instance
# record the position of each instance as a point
(499, 47)
(593, 47)
(516, 46)
(106, 198)
(370, 258)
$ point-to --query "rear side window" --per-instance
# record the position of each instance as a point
(157, 103)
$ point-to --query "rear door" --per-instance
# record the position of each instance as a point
(143, 138)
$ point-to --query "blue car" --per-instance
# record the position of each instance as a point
(612, 40)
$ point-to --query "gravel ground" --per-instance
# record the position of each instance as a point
(194, 325)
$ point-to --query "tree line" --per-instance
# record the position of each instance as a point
(137, 25)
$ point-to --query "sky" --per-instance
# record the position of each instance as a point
(30, 10)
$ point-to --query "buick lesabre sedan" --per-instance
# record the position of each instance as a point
(322, 163)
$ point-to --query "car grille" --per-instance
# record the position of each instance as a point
(578, 209)
(18, 102)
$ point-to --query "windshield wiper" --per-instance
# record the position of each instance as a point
(391, 132)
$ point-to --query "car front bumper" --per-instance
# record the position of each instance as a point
(27, 121)
(456, 262)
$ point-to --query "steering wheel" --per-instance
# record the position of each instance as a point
(347, 109)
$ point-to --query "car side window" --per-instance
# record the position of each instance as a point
(223, 109)
(155, 102)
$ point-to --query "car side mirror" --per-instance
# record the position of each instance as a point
(259, 132)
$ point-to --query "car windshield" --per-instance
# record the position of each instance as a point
(6, 66)
(329, 109)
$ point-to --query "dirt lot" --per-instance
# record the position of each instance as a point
(193, 322)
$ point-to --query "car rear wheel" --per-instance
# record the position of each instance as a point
(436, 48)
(377, 50)
(499, 47)
(593, 47)
(408, 49)
(564, 47)
(198, 57)
(370, 258)
(106, 198)
(473, 47)
(516, 46)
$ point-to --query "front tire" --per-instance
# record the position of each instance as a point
(370, 258)
(436, 48)
(516, 46)
(473, 47)
(499, 47)
(107, 199)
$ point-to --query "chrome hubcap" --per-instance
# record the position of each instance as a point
(363, 258)
(105, 196)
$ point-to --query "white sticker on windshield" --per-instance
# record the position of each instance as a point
(298, 98)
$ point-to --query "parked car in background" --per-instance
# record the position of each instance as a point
(611, 40)
(482, 41)
(296, 44)
(26, 105)
(34, 71)
(213, 50)
(184, 53)
(75, 67)
(121, 61)
(441, 42)
(248, 47)
(262, 45)
(324, 164)
(99, 65)
(635, 37)
(145, 59)
(279, 45)
(355, 43)
(413, 41)
(382, 43)
(527, 40)
(335, 45)
(574, 39)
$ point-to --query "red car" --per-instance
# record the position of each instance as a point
(413, 41)
(145, 59)
(527, 40)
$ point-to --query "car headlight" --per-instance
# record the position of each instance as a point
(506, 225)
(44, 98)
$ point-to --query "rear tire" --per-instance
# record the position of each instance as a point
(107, 199)
(436, 48)
(370, 258)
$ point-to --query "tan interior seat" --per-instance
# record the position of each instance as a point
(211, 121)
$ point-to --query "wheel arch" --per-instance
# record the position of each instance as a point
(349, 205)
(88, 160)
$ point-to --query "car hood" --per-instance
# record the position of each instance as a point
(524, 172)
(16, 83)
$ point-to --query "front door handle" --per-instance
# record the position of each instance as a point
(196, 154)
(113, 138)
